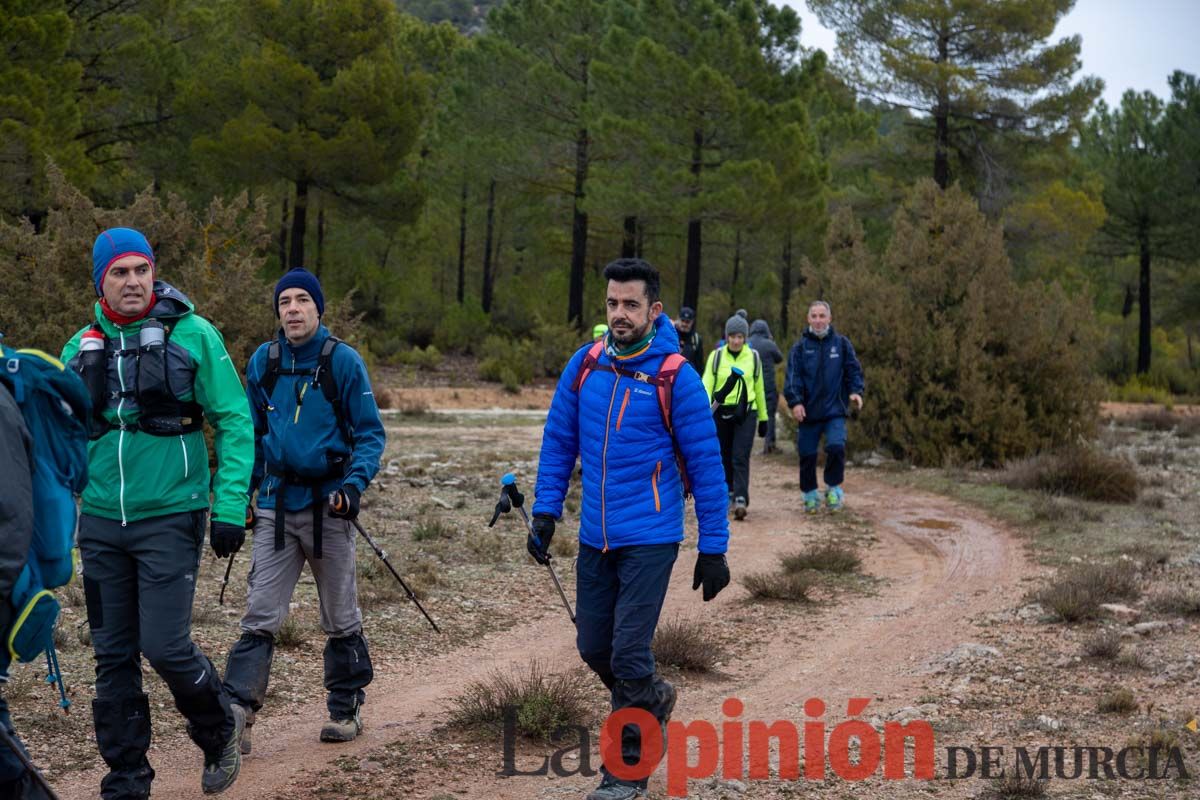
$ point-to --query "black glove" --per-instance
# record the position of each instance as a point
(712, 571)
(343, 503)
(762, 429)
(226, 538)
(538, 543)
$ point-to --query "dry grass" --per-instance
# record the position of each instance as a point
(432, 528)
(1015, 786)
(1105, 644)
(1134, 658)
(823, 557)
(686, 644)
(540, 703)
(791, 587)
(291, 634)
(1117, 701)
(1077, 592)
(1077, 471)
(1181, 601)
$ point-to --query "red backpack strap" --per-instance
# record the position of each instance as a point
(588, 366)
(665, 383)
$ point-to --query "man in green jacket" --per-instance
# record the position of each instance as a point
(733, 378)
(155, 371)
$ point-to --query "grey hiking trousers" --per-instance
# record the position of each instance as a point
(272, 581)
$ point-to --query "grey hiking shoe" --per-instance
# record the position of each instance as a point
(342, 730)
(612, 789)
(246, 729)
(220, 774)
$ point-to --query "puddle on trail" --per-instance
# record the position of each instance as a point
(931, 524)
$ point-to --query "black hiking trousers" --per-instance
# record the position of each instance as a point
(737, 440)
(139, 581)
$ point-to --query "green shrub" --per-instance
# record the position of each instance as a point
(824, 557)
(932, 321)
(461, 328)
(428, 358)
(1117, 701)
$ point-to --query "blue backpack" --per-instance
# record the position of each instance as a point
(57, 410)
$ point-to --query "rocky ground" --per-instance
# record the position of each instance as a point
(943, 627)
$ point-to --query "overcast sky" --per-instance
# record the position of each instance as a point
(1131, 44)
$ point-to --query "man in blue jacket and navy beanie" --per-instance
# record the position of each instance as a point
(823, 379)
(608, 411)
(318, 441)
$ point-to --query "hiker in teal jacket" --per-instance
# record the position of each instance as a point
(318, 441)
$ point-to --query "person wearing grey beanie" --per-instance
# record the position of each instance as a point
(734, 381)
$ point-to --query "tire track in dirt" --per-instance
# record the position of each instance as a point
(940, 563)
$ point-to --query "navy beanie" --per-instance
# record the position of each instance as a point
(113, 245)
(300, 278)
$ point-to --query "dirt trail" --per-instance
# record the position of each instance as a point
(942, 565)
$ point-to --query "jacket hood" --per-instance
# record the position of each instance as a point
(760, 328)
(808, 334)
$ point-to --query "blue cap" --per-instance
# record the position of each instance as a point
(113, 245)
(300, 278)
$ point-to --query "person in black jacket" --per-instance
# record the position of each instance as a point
(689, 339)
(770, 355)
(824, 378)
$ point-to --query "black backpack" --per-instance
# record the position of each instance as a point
(322, 377)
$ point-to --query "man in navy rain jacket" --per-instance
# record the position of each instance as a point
(823, 379)
(316, 457)
(632, 516)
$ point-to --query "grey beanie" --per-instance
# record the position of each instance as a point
(736, 324)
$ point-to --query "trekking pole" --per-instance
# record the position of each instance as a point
(510, 497)
(38, 777)
(225, 580)
(720, 395)
(383, 557)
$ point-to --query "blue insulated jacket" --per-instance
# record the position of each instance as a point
(821, 375)
(632, 491)
(302, 432)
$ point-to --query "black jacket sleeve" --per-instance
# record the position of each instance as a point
(16, 501)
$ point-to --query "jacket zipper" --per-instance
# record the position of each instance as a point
(183, 446)
(624, 405)
(604, 465)
(654, 485)
(121, 434)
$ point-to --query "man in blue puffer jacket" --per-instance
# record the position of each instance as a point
(633, 496)
(824, 378)
(317, 446)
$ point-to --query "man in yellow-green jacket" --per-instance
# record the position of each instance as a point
(156, 371)
(733, 378)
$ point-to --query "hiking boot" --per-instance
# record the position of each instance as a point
(220, 773)
(245, 743)
(612, 789)
(812, 502)
(668, 707)
(739, 508)
(833, 498)
(342, 730)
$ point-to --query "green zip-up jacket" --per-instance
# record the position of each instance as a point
(134, 475)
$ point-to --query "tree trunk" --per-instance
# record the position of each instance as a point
(283, 236)
(299, 224)
(462, 246)
(629, 241)
(691, 275)
(487, 248)
(786, 289)
(1143, 359)
(641, 240)
(941, 116)
(737, 263)
(579, 233)
(320, 238)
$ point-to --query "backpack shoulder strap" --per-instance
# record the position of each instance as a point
(588, 366)
(664, 381)
(270, 375)
(325, 378)
(757, 364)
(717, 360)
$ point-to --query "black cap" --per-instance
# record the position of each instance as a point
(686, 313)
